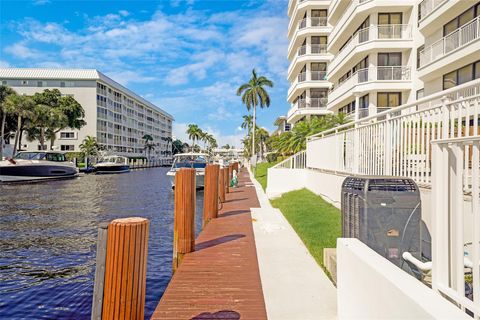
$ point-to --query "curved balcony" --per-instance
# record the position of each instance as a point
(370, 79)
(451, 43)
(307, 27)
(298, 8)
(306, 80)
(305, 107)
(374, 37)
(306, 54)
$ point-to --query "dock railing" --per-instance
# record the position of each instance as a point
(297, 161)
(397, 141)
(456, 227)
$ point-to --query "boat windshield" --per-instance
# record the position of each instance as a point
(30, 156)
(190, 162)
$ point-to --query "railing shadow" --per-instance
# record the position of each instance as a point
(223, 314)
(217, 241)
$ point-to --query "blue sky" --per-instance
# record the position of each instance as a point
(187, 57)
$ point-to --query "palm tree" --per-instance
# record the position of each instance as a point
(262, 136)
(254, 94)
(90, 146)
(4, 93)
(247, 123)
(169, 141)
(147, 138)
(23, 107)
(194, 133)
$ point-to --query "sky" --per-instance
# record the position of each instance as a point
(186, 56)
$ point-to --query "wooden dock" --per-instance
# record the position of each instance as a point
(221, 279)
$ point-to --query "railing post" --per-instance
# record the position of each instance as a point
(221, 185)
(126, 269)
(210, 198)
(184, 215)
(445, 120)
(388, 147)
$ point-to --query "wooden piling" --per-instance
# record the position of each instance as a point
(210, 195)
(221, 185)
(126, 269)
(184, 215)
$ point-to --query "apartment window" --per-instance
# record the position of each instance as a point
(363, 64)
(420, 93)
(67, 135)
(419, 49)
(67, 147)
(319, 18)
(389, 99)
(40, 147)
(462, 19)
(4, 82)
(67, 84)
(390, 18)
(319, 70)
(462, 75)
(390, 59)
(363, 102)
(347, 109)
(24, 82)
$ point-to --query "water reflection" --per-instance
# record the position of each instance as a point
(48, 239)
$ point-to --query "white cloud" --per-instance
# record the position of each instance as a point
(4, 64)
(40, 2)
(20, 50)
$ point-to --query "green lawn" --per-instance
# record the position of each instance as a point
(316, 222)
(261, 172)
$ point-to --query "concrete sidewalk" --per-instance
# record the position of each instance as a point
(294, 285)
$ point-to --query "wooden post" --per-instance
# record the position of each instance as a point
(98, 285)
(210, 196)
(126, 269)
(221, 185)
(184, 216)
(227, 182)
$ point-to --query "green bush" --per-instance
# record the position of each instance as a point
(272, 157)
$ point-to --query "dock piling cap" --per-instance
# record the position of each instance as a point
(129, 221)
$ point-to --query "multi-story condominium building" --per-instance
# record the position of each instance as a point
(308, 32)
(115, 115)
(379, 53)
(281, 125)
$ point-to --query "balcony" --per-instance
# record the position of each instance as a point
(306, 80)
(306, 54)
(376, 77)
(312, 22)
(380, 33)
(303, 107)
(306, 26)
(427, 6)
(452, 42)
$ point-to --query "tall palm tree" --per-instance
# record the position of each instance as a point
(254, 94)
(147, 145)
(22, 107)
(262, 136)
(194, 133)
(169, 141)
(4, 93)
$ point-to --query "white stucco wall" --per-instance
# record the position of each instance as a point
(280, 181)
(371, 287)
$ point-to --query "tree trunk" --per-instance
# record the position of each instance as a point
(42, 138)
(20, 139)
(2, 133)
(17, 134)
(253, 131)
(52, 141)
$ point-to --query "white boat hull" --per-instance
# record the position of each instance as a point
(199, 179)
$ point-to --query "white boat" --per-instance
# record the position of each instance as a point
(37, 165)
(112, 164)
(198, 161)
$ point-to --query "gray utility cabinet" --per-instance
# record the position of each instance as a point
(384, 213)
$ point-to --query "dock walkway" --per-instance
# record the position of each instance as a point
(221, 279)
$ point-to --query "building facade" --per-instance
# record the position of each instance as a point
(115, 115)
(380, 54)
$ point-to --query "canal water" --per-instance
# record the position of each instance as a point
(48, 234)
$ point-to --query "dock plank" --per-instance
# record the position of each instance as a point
(221, 279)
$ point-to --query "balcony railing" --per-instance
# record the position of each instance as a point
(451, 42)
(312, 22)
(314, 103)
(302, 50)
(378, 32)
(427, 6)
(318, 75)
(318, 48)
(302, 76)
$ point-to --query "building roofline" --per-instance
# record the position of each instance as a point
(73, 74)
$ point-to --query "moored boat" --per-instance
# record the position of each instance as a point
(37, 165)
(112, 164)
(198, 161)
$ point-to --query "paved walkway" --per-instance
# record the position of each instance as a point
(294, 285)
(220, 280)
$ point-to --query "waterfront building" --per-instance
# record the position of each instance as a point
(378, 54)
(115, 115)
(281, 126)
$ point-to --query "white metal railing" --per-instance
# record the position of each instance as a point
(318, 75)
(302, 50)
(318, 103)
(376, 32)
(297, 161)
(312, 22)
(318, 48)
(302, 76)
(427, 6)
(383, 73)
(397, 141)
(346, 15)
(456, 227)
(451, 42)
